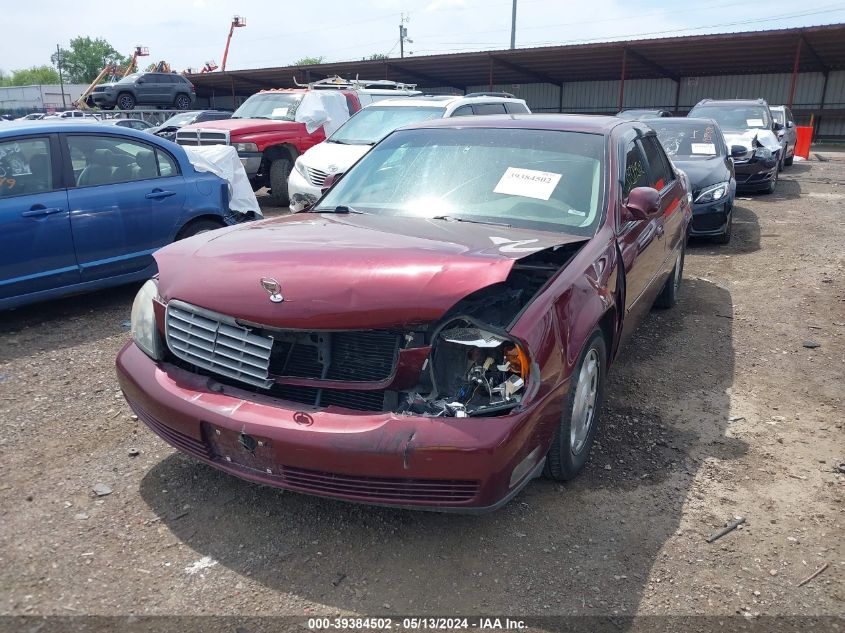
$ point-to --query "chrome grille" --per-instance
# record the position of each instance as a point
(198, 136)
(217, 343)
(316, 176)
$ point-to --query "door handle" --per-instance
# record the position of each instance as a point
(39, 211)
(660, 231)
(158, 194)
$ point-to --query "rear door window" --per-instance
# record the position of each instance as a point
(489, 108)
(516, 108)
(25, 167)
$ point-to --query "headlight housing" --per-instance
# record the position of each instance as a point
(300, 167)
(763, 153)
(143, 321)
(245, 147)
(713, 192)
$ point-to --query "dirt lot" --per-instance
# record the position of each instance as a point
(718, 408)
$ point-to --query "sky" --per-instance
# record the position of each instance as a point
(187, 33)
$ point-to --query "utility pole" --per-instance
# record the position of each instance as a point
(61, 78)
(513, 25)
(403, 34)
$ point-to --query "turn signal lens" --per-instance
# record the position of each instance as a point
(518, 361)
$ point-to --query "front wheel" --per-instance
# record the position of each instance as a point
(773, 183)
(725, 237)
(195, 228)
(573, 439)
(668, 296)
(126, 101)
(279, 174)
(183, 102)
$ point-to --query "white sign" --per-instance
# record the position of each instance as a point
(703, 148)
(279, 112)
(527, 183)
(754, 122)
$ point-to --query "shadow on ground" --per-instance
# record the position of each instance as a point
(584, 548)
(92, 316)
(745, 236)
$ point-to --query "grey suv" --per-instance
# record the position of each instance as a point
(164, 90)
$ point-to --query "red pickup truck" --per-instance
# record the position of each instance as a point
(272, 128)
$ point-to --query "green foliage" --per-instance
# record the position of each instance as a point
(377, 56)
(86, 57)
(30, 76)
(309, 61)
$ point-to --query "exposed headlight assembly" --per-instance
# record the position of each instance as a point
(713, 192)
(143, 321)
(300, 167)
(763, 153)
(245, 147)
(473, 372)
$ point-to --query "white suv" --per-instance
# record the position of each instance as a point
(368, 126)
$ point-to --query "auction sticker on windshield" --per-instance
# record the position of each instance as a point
(754, 122)
(279, 112)
(703, 148)
(527, 183)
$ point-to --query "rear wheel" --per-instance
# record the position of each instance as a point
(183, 102)
(279, 174)
(573, 439)
(668, 297)
(125, 101)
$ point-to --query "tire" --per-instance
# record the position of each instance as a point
(125, 101)
(182, 102)
(772, 185)
(788, 161)
(782, 160)
(195, 228)
(668, 296)
(725, 237)
(573, 438)
(279, 174)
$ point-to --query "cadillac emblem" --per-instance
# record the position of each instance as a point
(273, 289)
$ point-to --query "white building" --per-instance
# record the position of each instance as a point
(25, 99)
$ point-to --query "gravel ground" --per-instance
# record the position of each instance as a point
(718, 408)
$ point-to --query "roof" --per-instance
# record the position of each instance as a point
(593, 124)
(56, 126)
(443, 101)
(823, 49)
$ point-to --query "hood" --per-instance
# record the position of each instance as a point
(325, 155)
(239, 127)
(704, 172)
(766, 138)
(344, 271)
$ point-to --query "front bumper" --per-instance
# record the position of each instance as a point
(756, 174)
(302, 193)
(103, 98)
(251, 162)
(456, 464)
(710, 218)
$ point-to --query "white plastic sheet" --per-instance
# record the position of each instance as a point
(223, 161)
(322, 107)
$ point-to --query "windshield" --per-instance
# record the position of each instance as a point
(777, 115)
(540, 179)
(689, 140)
(129, 78)
(278, 106)
(735, 118)
(375, 122)
(180, 119)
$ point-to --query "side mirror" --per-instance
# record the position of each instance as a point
(790, 124)
(329, 182)
(642, 204)
(777, 127)
(738, 151)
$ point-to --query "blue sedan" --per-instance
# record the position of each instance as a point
(84, 207)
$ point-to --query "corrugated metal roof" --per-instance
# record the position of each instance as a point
(822, 49)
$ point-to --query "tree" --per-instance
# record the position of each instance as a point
(377, 56)
(86, 57)
(309, 61)
(30, 76)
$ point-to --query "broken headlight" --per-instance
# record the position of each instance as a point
(143, 321)
(473, 372)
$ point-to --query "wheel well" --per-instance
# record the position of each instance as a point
(275, 152)
(200, 218)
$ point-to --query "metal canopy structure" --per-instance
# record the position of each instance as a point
(806, 49)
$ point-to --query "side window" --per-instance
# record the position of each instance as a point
(463, 111)
(789, 117)
(166, 164)
(661, 173)
(489, 108)
(635, 171)
(102, 160)
(25, 167)
(516, 108)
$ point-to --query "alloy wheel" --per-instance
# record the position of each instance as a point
(584, 405)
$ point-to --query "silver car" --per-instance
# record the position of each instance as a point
(788, 135)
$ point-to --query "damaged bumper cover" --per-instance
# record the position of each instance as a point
(385, 458)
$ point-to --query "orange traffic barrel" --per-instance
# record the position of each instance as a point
(802, 144)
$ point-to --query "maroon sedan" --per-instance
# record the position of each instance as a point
(435, 332)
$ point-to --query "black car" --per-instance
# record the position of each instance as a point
(164, 90)
(639, 115)
(168, 128)
(750, 132)
(697, 146)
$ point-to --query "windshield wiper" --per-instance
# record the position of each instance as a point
(452, 218)
(341, 208)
